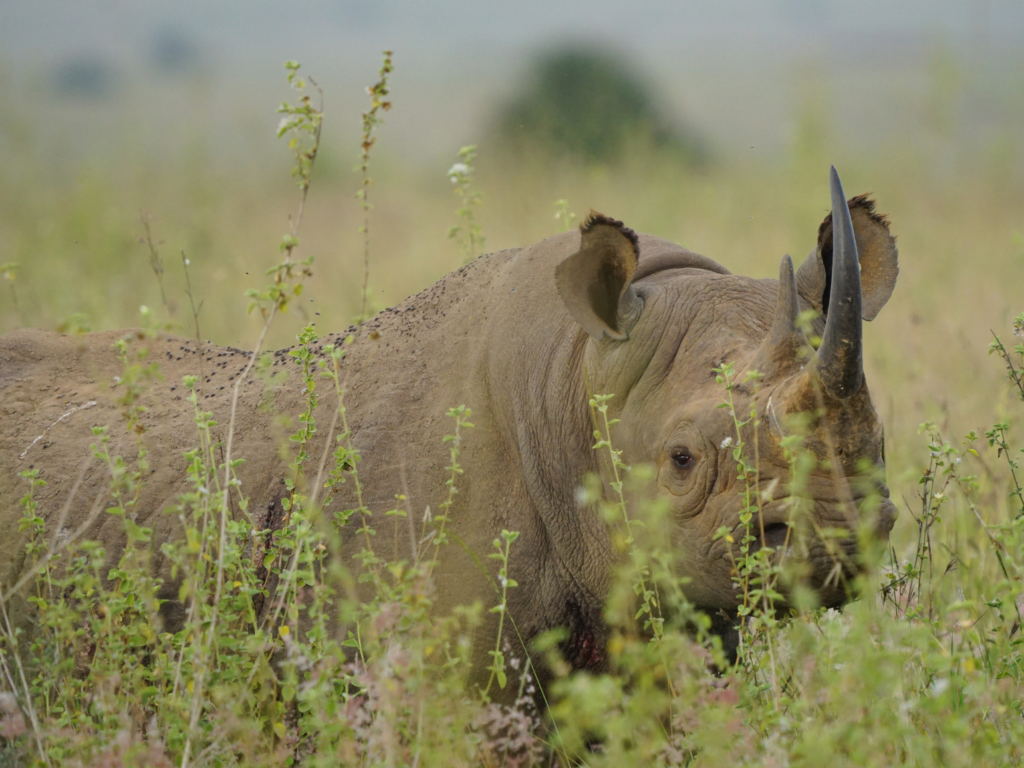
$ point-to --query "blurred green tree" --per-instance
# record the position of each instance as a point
(593, 105)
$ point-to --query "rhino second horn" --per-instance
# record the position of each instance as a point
(785, 329)
(839, 360)
(779, 353)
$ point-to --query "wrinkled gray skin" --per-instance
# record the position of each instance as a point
(516, 343)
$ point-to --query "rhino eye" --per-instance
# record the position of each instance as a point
(682, 459)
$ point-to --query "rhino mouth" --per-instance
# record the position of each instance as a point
(778, 529)
(816, 537)
(833, 561)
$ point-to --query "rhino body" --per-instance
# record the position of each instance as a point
(518, 336)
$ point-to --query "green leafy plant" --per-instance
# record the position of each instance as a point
(755, 570)
(467, 234)
(649, 609)
(497, 666)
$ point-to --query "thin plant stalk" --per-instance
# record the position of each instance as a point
(371, 120)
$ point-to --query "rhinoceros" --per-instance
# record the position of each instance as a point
(523, 337)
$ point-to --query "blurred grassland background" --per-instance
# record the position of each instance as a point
(110, 111)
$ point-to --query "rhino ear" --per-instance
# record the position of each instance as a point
(879, 266)
(594, 282)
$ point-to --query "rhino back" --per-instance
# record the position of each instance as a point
(54, 389)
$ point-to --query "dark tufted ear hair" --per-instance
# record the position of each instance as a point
(594, 282)
(879, 265)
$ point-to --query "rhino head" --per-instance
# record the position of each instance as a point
(660, 326)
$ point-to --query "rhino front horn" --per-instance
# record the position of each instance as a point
(839, 360)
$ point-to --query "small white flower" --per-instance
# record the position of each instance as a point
(939, 685)
(284, 125)
(456, 170)
(725, 443)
